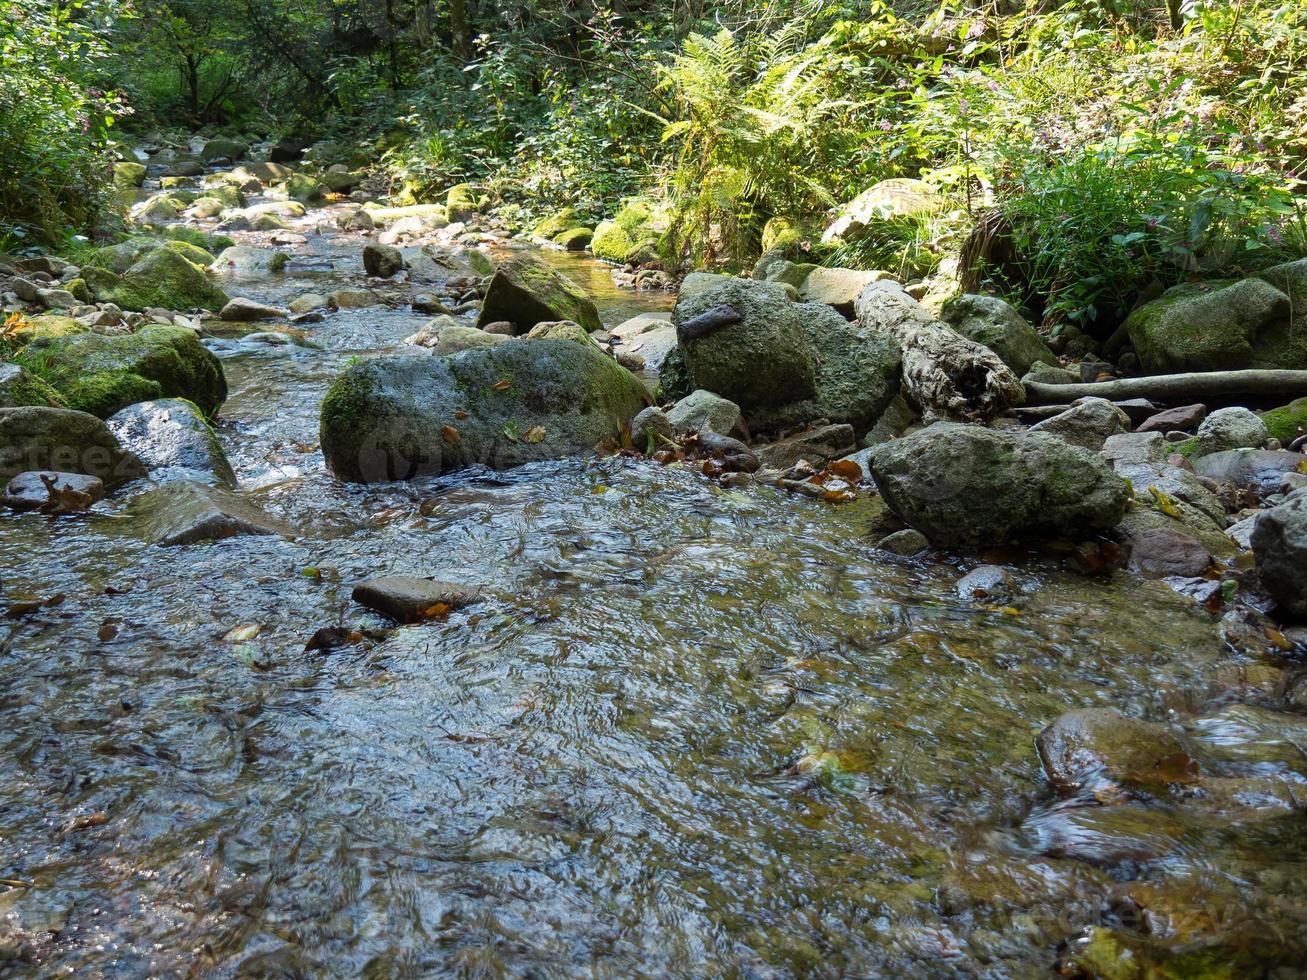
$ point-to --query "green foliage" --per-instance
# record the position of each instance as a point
(54, 172)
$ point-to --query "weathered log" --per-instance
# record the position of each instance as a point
(708, 321)
(1177, 387)
(944, 374)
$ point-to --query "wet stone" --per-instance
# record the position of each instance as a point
(412, 600)
(29, 491)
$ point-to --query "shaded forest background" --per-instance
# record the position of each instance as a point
(1083, 151)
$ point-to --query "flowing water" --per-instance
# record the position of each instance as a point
(687, 731)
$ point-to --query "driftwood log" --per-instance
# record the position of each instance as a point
(944, 374)
(1177, 387)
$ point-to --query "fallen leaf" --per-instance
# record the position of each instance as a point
(503, 385)
(845, 469)
(330, 637)
(1165, 503)
(510, 430)
(63, 500)
(460, 415)
(450, 435)
(241, 634)
(535, 434)
(86, 820)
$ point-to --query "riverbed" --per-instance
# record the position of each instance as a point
(688, 730)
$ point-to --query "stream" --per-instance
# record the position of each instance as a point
(688, 730)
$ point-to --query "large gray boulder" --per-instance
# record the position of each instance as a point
(1216, 327)
(36, 438)
(1260, 468)
(397, 418)
(702, 411)
(968, 486)
(839, 288)
(1279, 541)
(1087, 424)
(990, 321)
(745, 341)
(526, 291)
(174, 440)
(1230, 428)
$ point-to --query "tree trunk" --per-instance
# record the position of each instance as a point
(461, 30)
(944, 374)
(1178, 387)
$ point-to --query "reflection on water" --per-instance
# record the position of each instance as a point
(686, 731)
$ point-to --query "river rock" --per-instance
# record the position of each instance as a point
(1230, 428)
(1082, 748)
(1185, 418)
(1279, 541)
(308, 302)
(1213, 327)
(250, 261)
(444, 335)
(382, 261)
(649, 335)
(412, 600)
(651, 422)
(27, 491)
(906, 542)
(968, 486)
(818, 446)
(990, 321)
(526, 291)
(241, 310)
(352, 299)
(183, 512)
(396, 418)
(103, 374)
(1259, 468)
(838, 288)
(1163, 552)
(703, 411)
(35, 438)
(1087, 424)
(757, 354)
(174, 440)
(161, 277)
(989, 582)
(223, 149)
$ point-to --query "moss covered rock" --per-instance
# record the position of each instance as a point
(39, 438)
(990, 321)
(128, 174)
(611, 242)
(162, 278)
(1216, 326)
(461, 202)
(223, 149)
(526, 291)
(1287, 422)
(20, 387)
(206, 240)
(762, 360)
(103, 375)
(554, 225)
(397, 418)
(574, 239)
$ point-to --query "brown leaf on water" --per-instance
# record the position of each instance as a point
(438, 611)
(845, 469)
(63, 500)
(1177, 767)
(86, 820)
(1278, 639)
(535, 434)
(668, 456)
(450, 435)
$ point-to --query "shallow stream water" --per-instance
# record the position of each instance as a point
(687, 731)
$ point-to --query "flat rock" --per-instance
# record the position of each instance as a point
(1259, 468)
(1085, 747)
(241, 310)
(64, 441)
(1185, 418)
(1163, 552)
(411, 600)
(187, 513)
(27, 491)
(818, 446)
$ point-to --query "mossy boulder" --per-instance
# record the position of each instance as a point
(857, 376)
(461, 202)
(191, 253)
(574, 239)
(50, 325)
(128, 174)
(1287, 422)
(20, 387)
(401, 417)
(966, 486)
(784, 236)
(174, 440)
(611, 242)
(1217, 326)
(162, 278)
(223, 149)
(303, 188)
(554, 225)
(991, 321)
(65, 441)
(526, 290)
(761, 357)
(206, 240)
(104, 374)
